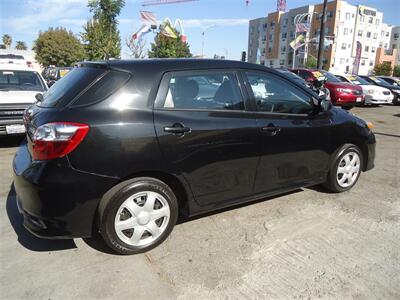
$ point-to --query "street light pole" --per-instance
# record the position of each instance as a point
(322, 37)
(202, 40)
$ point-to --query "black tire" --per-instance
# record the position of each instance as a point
(332, 183)
(112, 201)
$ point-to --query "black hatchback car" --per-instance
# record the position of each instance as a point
(124, 147)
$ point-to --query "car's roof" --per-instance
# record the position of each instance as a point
(15, 67)
(165, 64)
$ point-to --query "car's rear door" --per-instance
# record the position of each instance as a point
(207, 135)
(294, 145)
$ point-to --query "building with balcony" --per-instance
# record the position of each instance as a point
(345, 25)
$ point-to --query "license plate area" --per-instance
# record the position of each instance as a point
(14, 129)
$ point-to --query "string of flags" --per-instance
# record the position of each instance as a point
(150, 24)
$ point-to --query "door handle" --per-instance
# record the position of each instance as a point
(271, 129)
(177, 128)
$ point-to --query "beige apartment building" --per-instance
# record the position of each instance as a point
(345, 26)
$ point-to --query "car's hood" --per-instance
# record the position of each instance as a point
(17, 97)
(376, 88)
(342, 85)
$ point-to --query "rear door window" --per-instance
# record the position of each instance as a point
(203, 90)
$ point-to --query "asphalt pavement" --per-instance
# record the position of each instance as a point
(305, 244)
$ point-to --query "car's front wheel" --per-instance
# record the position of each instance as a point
(345, 169)
(138, 216)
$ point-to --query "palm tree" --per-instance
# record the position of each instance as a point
(20, 45)
(7, 40)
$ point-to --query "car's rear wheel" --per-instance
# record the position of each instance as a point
(139, 216)
(345, 169)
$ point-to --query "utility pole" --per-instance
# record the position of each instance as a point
(203, 37)
(322, 37)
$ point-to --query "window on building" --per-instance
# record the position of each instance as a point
(366, 49)
(396, 36)
(283, 48)
(362, 18)
(370, 20)
(292, 34)
(377, 22)
(284, 35)
(265, 25)
(351, 30)
(373, 49)
(251, 29)
(359, 33)
(363, 62)
(375, 36)
(342, 61)
(272, 24)
(346, 31)
(380, 44)
(269, 50)
(270, 37)
(387, 33)
(385, 46)
(343, 46)
(348, 15)
(368, 34)
(352, 16)
(329, 14)
(282, 62)
(371, 63)
(394, 46)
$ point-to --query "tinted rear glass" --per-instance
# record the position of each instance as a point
(104, 87)
(68, 87)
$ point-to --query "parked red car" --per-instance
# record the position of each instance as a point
(342, 94)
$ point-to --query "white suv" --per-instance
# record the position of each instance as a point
(18, 86)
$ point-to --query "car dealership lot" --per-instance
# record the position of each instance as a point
(304, 244)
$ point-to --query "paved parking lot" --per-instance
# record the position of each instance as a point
(306, 244)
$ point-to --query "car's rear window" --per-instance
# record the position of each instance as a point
(83, 85)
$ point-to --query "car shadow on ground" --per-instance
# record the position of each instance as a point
(12, 141)
(25, 238)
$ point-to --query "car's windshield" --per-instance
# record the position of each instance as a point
(330, 77)
(20, 81)
(380, 81)
(357, 80)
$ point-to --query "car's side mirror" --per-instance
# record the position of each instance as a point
(39, 97)
(325, 103)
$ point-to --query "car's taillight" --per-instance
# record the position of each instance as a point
(53, 140)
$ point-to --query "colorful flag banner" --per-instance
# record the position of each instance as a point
(148, 18)
(142, 31)
(303, 27)
(168, 31)
(297, 42)
(357, 59)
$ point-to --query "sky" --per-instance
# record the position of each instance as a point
(23, 19)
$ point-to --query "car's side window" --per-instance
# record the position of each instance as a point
(204, 90)
(275, 95)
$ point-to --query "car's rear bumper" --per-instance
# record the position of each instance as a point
(56, 200)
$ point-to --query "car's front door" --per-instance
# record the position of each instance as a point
(206, 134)
(294, 146)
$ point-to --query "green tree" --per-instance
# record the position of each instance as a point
(21, 45)
(383, 69)
(7, 40)
(101, 35)
(58, 47)
(311, 62)
(165, 46)
(396, 71)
